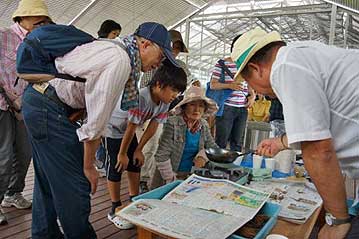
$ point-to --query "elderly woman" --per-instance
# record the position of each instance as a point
(184, 137)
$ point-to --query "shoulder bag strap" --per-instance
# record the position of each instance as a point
(225, 68)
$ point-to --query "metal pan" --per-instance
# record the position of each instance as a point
(219, 155)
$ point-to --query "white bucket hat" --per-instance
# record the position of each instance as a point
(31, 8)
(248, 44)
(194, 93)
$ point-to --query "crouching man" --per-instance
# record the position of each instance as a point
(63, 151)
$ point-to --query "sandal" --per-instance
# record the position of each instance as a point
(119, 222)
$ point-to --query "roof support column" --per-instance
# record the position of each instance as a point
(346, 26)
(311, 27)
(225, 35)
(201, 45)
(333, 19)
(187, 37)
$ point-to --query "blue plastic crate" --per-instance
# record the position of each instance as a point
(269, 209)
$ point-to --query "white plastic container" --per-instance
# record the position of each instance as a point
(270, 163)
(285, 161)
(257, 161)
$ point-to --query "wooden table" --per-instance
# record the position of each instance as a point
(288, 229)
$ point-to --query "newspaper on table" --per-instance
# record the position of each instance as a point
(198, 208)
(298, 200)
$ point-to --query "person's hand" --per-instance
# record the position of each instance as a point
(92, 175)
(269, 147)
(199, 162)
(266, 118)
(250, 102)
(139, 158)
(334, 232)
(122, 162)
(235, 86)
(170, 180)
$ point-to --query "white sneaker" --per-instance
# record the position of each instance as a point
(119, 222)
(16, 200)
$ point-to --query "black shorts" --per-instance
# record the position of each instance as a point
(113, 147)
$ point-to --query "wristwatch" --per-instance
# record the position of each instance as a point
(333, 221)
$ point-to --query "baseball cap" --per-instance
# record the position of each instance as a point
(157, 33)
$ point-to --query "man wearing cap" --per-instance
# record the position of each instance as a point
(150, 148)
(177, 47)
(318, 87)
(15, 150)
(63, 151)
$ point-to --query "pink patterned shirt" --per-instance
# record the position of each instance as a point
(10, 39)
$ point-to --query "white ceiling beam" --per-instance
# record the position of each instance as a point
(270, 10)
(192, 3)
(342, 6)
(83, 12)
(256, 15)
(204, 7)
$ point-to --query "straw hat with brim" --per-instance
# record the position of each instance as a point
(31, 8)
(248, 44)
(195, 93)
(177, 37)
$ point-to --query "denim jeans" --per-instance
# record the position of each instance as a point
(61, 189)
(231, 126)
(354, 230)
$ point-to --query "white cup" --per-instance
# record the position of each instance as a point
(276, 236)
(285, 160)
(270, 163)
(257, 161)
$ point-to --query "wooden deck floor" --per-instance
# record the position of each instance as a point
(19, 221)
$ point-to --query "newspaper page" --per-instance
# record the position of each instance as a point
(178, 221)
(198, 208)
(219, 195)
(298, 201)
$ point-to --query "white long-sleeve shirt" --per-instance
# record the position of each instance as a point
(106, 68)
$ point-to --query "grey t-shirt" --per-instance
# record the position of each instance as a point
(147, 109)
